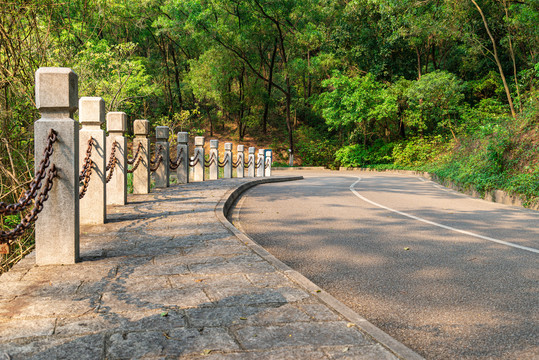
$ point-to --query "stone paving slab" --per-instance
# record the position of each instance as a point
(165, 278)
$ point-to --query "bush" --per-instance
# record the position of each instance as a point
(359, 156)
(315, 149)
(419, 151)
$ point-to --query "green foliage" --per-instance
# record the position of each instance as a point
(434, 102)
(419, 151)
(361, 156)
(314, 148)
(114, 73)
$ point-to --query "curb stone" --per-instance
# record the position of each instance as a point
(222, 211)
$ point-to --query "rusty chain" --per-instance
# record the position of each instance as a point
(237, 163)
(258, 163)
(248, 163)
(130, 171)
(268, 163)
(86, 181)
(35, 185)
(211, 161)
(111, 172)
(86, 172)
(88, 163)
(111, 162)
(157, 154)
(159, 161)
(174, 164)
(31, 217)
(132, 161)
(224, 162)
(194, 162)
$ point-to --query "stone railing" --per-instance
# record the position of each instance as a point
(86, 170)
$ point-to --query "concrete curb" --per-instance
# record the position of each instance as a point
(222, 210)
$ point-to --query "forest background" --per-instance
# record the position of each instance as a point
(449, 87)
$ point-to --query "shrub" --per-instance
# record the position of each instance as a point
(419, 151)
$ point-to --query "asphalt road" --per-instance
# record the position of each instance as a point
(423, 263)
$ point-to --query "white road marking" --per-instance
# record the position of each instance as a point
(440, 225)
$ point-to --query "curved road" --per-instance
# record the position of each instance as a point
(450, 276)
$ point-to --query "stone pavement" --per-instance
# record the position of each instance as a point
(168, 277)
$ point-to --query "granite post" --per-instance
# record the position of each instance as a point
(57, 227)
(214, 165)
(268, 155)
(198, 171)
(162, 174)
(239, 160)
(183, 150)
(227, 168)
(141, 175)
(260, 162)
(251, 162)
(117, 186)
(93, 206)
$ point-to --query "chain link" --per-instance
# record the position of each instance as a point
(194, 162)
(88, 163)
(176, 163)
(132, 161)
(111, 162)
(35, 185)
(236, 163)
(130, 171)
(258, 163)
(159, 161)
(249, 163)
(224, 162)
(157, 154)
(31, 217)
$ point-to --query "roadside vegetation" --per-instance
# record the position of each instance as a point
(448, 87)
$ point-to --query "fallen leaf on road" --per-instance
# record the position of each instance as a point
(207, 352)
(406, 248)
(345, 349)
(350, 325)
(243, 318)
(164, 313)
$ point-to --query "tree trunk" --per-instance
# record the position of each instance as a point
(270, 85)
(497, 59)
(177, 77)
(512, 53)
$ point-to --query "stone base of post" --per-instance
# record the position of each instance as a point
(57, 226)
(117, 186)
(183, 150)
(260, 162)
(198, 171)
(252, 162)
(227, 168)
(214, 164)
(141, 175)
(162, 174)
(268, 156)
(240, 162)
(94, 203)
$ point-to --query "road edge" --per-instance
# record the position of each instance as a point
(495, 196)
(222, 210)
